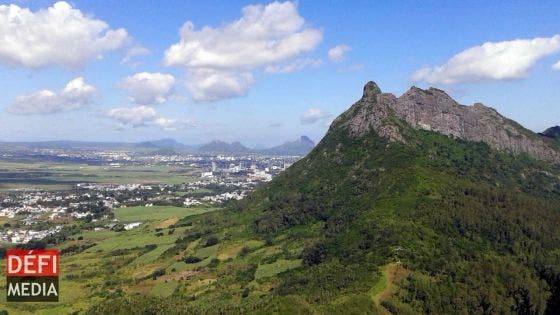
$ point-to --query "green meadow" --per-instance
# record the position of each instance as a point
(62, 176)
(134, 214)
(150, 260)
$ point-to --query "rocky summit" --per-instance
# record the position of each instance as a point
(552, 132)
(435, 110)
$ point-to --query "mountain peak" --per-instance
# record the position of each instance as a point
(219, 146)
(552, 132)
(371, 90)
(433, 109)
(301, 146)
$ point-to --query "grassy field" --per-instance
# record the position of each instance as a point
(125, 261)
(60, 176)
(135, 214)
(279, 266)
(83, 271)
(164, 288)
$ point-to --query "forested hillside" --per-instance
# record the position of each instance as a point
(426, 224)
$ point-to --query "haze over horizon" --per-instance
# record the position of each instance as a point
(133, 72)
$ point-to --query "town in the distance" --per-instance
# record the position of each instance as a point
(47, 186)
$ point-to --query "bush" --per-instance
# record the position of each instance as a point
(192, 259)
(246, 273)
(158, 273)
(211, 241)
(244, 251)
(315, 254)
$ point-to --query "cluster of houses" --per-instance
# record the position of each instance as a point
(34, 208)
(21, 236)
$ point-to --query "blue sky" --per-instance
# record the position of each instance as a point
(261, 72)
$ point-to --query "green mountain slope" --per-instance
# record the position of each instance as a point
(384, 218)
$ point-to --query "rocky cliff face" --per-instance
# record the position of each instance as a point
(433, 109)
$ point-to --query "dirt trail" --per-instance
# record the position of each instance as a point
(391, 274)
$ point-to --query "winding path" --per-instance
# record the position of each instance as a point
(391, 274)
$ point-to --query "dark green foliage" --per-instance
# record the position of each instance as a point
(476, 220)
(76, 248)
(158, 273)
(314, 254)
(34, 244)
(325, 282)
(244, 251)
(246, 273)
(192, 259)
(211, 241)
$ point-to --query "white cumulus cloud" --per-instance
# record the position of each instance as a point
(143, 116)
(505, 60)
(556, 66)
(265, 35)
(207, 85)
(134, 116)
(337, 52)
(74, 95)
(313, 115)
(59, 35)
(147, 88)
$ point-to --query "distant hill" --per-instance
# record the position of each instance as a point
(162, 143)
(301, 146)
(218, 146)
(166, 146)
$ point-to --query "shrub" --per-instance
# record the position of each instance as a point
(315, 254)
(211, 241)
(192, 259)
(158, 273)
(244, 251)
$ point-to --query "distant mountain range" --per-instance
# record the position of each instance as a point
(300, 146)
